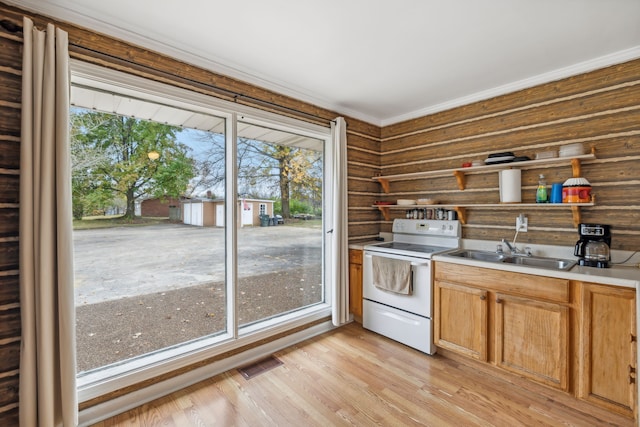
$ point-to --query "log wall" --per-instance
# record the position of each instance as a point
(600, 109)
(10, 94)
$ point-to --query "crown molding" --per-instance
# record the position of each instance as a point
(561, 73)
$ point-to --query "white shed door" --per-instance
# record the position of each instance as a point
(247, 214)
(186, 213)
(219, 215)
(197, 214)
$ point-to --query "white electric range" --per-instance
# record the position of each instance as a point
(407, 318)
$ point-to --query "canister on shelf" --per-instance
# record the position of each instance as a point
(576, 190)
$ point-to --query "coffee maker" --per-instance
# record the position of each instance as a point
(594, 245)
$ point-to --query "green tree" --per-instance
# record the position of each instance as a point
(298, 170)
(123, 164)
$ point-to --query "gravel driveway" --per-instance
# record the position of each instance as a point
(126, 261)
(141, 289)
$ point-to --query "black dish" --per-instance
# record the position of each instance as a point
(506, 154)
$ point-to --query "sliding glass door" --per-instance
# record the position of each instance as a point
(193, 230)
(149, 238)
(280, 245)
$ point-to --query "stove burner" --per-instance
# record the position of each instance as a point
(409, 247)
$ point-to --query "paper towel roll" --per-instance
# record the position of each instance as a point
(510, 187)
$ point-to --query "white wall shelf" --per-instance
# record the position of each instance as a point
(461, 208)
(460, 173)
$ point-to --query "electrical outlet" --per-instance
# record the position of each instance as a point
(522, 222)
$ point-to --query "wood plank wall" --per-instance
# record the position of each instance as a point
(10, 94)
(363, 150)
(599, 109)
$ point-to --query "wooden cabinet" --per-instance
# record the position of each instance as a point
(608, 348)
(517, 322)
(574, 336)
(355, 282)
(463, 313)
(532, 340)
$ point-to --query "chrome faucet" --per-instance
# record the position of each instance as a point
(512, 248)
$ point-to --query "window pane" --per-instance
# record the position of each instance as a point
(149, 235)
(280, 255)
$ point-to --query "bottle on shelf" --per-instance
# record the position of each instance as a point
(541, 191)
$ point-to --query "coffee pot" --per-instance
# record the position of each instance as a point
(596, 251)
(594, 245)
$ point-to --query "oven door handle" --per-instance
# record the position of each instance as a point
(421, 263)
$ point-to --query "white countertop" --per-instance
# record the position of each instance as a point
(628, 277)
(361, 245)
(617, 276)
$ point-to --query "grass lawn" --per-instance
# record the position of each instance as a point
(309, 223)
(107, 221)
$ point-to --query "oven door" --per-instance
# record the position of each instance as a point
(418, 302)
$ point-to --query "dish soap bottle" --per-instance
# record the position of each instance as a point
(541, 192)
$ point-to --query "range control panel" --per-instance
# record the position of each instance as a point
(427, 227)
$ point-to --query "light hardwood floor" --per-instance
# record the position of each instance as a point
(353, 377)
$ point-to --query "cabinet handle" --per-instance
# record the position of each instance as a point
(632, 380)
(632, 370)
(633, 338)
(498, 300)
(483, 297)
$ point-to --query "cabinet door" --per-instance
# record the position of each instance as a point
(355, 282)
(531, 339)
(608, 348)
(460, 319)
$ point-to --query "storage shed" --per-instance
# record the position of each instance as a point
(210, 212)
(161, 208)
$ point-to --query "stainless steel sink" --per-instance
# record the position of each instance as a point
(479, 255)
(529, 261)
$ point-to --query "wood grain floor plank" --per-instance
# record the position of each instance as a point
(353, 377)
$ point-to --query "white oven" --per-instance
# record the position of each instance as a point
(406, 316)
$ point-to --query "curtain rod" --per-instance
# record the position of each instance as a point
(235, 96)
(271, 104)
(14, 28)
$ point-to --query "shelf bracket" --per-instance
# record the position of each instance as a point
(462, 212)
(460, 178)
(385, 212)
(575, 210)
(384, 183)
(575, 166)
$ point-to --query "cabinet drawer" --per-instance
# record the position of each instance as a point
(355, 256)
(528, 285)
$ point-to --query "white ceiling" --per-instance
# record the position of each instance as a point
(380, 61)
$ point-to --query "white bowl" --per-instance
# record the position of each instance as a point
(425, 202)
(546, 155)
(576, 149)
(405, 202)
